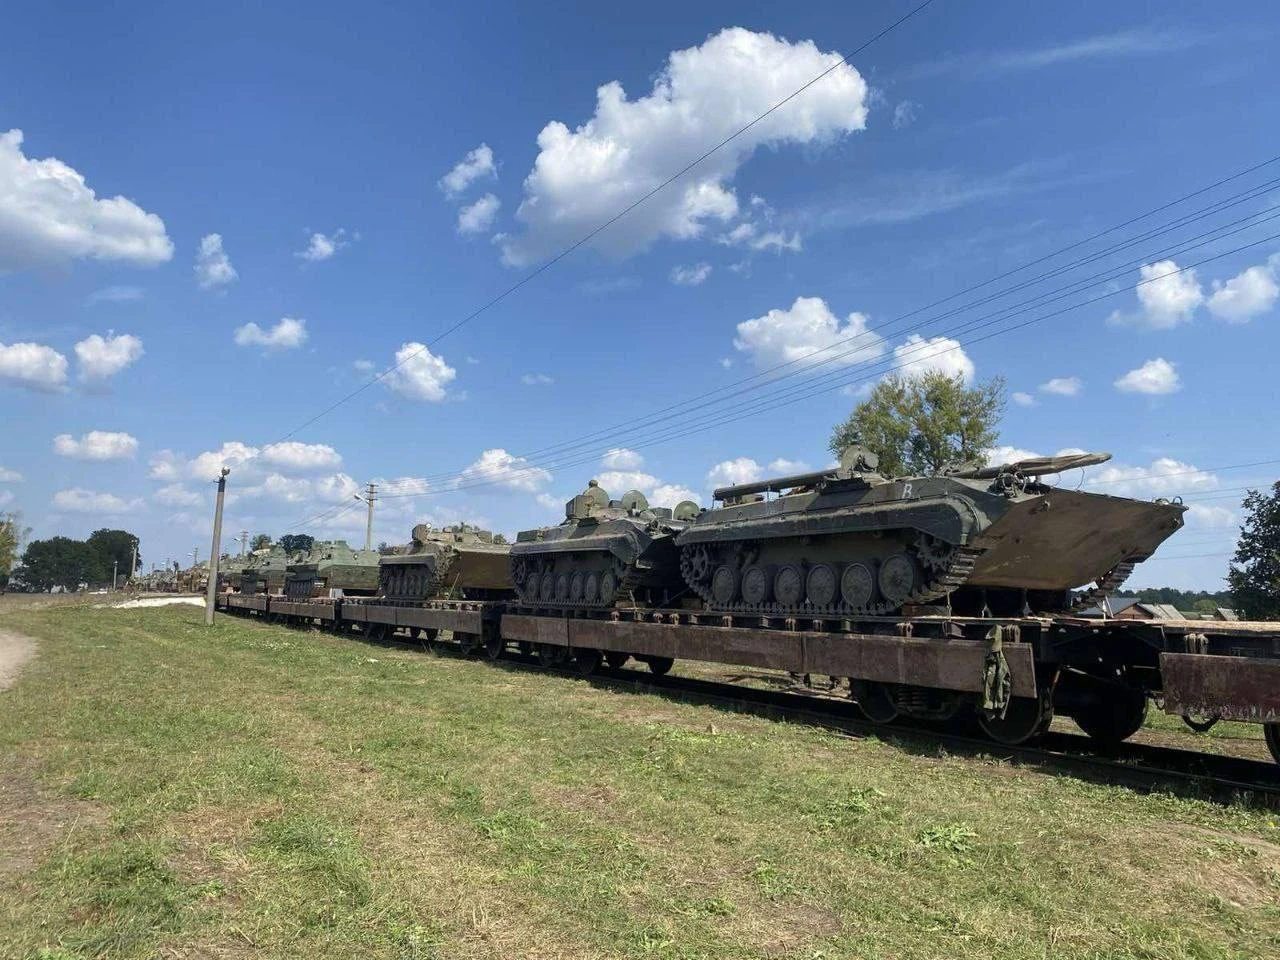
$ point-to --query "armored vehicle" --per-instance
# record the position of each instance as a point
(267, 572)
(849, 541)
(604, 552)
(459, 562)
(330, 567)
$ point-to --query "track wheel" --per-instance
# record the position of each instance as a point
(587, 661)
(1271, 733)
(875, 700)
(551, 655)
(1024, 720)
(1114, 718)
(468, 643)
(616, 659)
(659, 666)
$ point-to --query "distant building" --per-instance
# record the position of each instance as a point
(1138, 610)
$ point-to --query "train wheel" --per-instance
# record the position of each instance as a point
(551, 655)
(1116, 717)
(659, 666)
(495, 646)
(1271, 733)
(468, 643)
(616, 659)
(1025, 719)
(588, 661)
(875, 700)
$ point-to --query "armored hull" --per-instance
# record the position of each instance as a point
(458, 562)
(267, 572)
(331, 567)
(604, 553)
(850, 542)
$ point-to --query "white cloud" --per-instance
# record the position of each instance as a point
(419, 374)
(1165, 477)
(997, 456)
(6, 497)
(782, 467)
(690, 276)
(49, 215)
(120, 293)
(1246, 295)
(213, 266)
(293, 455)
(917, 356)
(808, 333)
(618, 482)
(96, 445)
(620, 458)
(726, 363)
(537, 380)
(1023, 399)
(669, 494)
(10, 476)
(1154, 377)
(165, 465)
(583, 177)
(1062, 386)
(729, 472)
(288, 334)
(478, 217)
(176, 495)
(103, 357)
(777, 241)
(323, 247)
(1207, 515)
(206, 466)
(79, 500)
(905, 113)
(476, 164)
(364, 366)
(1166, 297)
(32, 365)
(497, 468)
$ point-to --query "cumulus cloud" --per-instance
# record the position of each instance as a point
(324, 246)
(620, 458)
(176, 495)
(419, 374)
(213, 267)
(497, 468)
(119, 293)
(905, 113)
(165, 465)
(917, 356)
(726, 473)
(537, 380)
(1022, 399)
(10, 476)
(1155, 377)
(301, 456)
(207, 465)
(32, 365)
(690, 276)
(1062, 386)
(782, 467)
(1166, 297)
(103, 357)
(478, 217)
(582, 177)
(288, 334)
(96, 445)
(49, 215)
(1164, 477)
(1248, 294)
(79, 500)
(475, 165)
(809, 333)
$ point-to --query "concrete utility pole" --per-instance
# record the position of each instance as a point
(244, 542)
(115, 574)
(369, 497)
(133, 564)
(211, 595)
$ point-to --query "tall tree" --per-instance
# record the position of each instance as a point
(1254, 576)
(62, 562)
(12, 534)
(260, 542)
(919, 425)
(116, 546)
(295, 542)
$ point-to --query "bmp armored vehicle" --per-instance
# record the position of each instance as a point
(849, 541)
(329, 568)
(266, 573)
(458, 562)
(606, 551)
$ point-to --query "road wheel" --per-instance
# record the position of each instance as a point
(1115, 717)
(659, 666)
(1025, 719)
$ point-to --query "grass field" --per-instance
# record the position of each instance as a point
(252, 791)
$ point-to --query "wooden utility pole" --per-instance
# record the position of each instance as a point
(211, 594)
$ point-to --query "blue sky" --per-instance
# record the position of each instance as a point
(307, 193)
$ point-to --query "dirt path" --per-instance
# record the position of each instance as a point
(15, 651)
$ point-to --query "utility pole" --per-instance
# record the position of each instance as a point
(211, 595)
(370, 495)
(115, 574)
(133, 563)
(195, 556)
(244, 542)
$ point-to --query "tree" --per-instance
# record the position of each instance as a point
(116, 546)
(297, 542)
(499, 538)
(62, 562)
(261, 541)
(1254, 576)
(919, 425)
(12, 533)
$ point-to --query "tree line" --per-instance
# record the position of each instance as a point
(64, 562)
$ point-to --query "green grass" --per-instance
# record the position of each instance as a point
(248, 790)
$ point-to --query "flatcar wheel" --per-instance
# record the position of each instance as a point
(495, 646)
(875, 700)
(659, 666)
(468, 643)
(1271, 733)
(1024, 720)
(616, 659)
(1116, 717)
(587, 661)
(551, 655)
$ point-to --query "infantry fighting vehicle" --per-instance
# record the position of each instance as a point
(329, 568)
(849, 541)
(605, 551)
(458, 562)
(266, 574)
